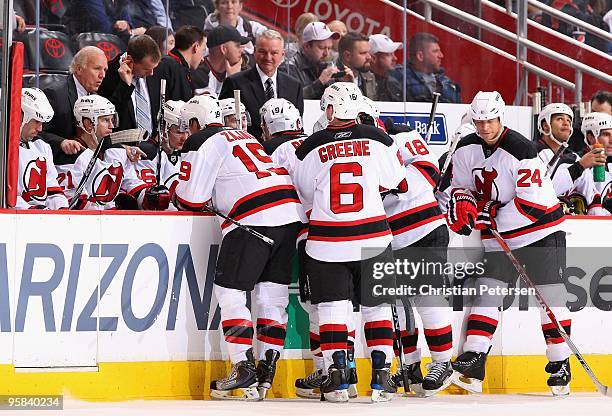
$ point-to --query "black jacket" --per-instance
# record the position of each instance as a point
(253, 96)
(175, 70)
(120, 94)
(62, 97)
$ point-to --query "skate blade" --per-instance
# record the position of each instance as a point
(379, 396)
(248, 394)
(262, 392)
(352, 391)
(336, 396)
(308, 393)
(560, 391)
(416, 389)
(473, 385)
(429, 393)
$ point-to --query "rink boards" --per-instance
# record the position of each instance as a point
(112, 306)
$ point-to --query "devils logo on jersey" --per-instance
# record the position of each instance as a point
(106, 184)
(486, 188)
(35, 180)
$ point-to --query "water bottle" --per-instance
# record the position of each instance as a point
(599, 172)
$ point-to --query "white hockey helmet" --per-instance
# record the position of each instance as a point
(172, 115)
(35, 106)
(320, 124)
(228, 108)
(92, 107)
(550, 110)
(280, 115)
(370, 114)
(465, 130)
(595, 123)
(487, 105)
(204, 108)
(345, 99)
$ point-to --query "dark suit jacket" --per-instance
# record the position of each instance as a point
(120, 94)
(253, 96)
(62, 98)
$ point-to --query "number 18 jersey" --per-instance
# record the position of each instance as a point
(340, 172)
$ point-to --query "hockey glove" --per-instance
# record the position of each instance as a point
(126, 202)
(487, 210)
(156, 198)
(461, 212)
(607, 203)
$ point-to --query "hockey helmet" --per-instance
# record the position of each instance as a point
(228, 108)
(550, 110)
(172, 115)
(35, 106)
(203, 108)
(344, 97)
(487, 105)
(93, 107)
(595, 123)
(280, 115)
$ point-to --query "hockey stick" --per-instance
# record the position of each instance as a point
(432, 115)
(447, 161)
(161, 128)
(605, 390)
(246, 228)
(86, 173)
(400, 344)
(238, 113)
(551, 164)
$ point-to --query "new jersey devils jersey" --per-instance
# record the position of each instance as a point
(146, 168)
(415, 213)
(37, 181)
(568, 177)
(340, 172)
(512, 173)
(113, 172)
(231, 167)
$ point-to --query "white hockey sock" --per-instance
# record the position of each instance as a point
(332, 329)
(378, 330)
(235, 321)
(271, 300)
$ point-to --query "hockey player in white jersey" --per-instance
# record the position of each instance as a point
(597, 128)
(37, 185)
(499, 182)
(173, 139)
(228, 112)
(229, 169)
(340, 173)
(419, 234)
(113, 182)
(571, 174)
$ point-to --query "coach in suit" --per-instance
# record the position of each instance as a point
(131, 88)
(263, 82)
(87, 70)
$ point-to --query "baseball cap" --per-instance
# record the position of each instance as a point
(318, 31)
(383, 43)
(222, 33)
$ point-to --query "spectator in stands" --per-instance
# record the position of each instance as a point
(178, 65)
(147, 13)
(131, 88)
(190, 12)
(339, 27)
(293, 46)
(424, 74)
(88, 69)
(310, 65)
(106, 16)
(163, 37)
(601, 102)
(224, 56)
(384, 61)
(263, 82)
(354, 53)
(227, 12)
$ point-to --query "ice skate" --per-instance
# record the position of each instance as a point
(266, 369)
(243, 376)
(309, 387)
(414, 375)
(335, 384)
(352, 373)
(470, 368)
(439, 376)
(383, 387)
(560, 377)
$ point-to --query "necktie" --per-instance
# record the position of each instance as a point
(269, 89)
(143, 108)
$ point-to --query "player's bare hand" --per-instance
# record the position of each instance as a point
(125, 70)
(71, 147)
(134, 153)
(595, 157)
(121, 25)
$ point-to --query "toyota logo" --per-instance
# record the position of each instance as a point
(110, 49)
(54, 48)
(287, 4)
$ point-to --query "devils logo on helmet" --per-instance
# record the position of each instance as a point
(486, 188)
(35, 180)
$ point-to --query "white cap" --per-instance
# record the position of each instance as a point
(318, 31)
(383, 43)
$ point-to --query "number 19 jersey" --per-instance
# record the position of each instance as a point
(340, 173)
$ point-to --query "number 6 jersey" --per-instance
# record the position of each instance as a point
(231, 167)
(512, 173)
(340, 173)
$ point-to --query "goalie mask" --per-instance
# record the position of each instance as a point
(92, 107)
(35, 106)
(204, 108)
(279, 115)
(228, 112)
